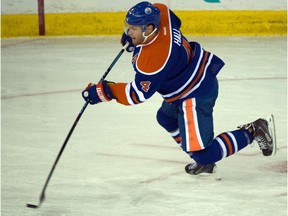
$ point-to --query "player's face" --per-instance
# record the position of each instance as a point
(135, 32)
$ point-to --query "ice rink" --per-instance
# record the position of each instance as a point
(119, 161)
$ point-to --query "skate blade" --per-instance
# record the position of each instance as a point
(272, 130)
(214, 175)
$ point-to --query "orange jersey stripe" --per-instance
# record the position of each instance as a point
(193, 83)
(134, 98)
(188, 49)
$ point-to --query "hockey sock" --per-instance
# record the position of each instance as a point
(176, 136)
(223, 145)
(167, 118)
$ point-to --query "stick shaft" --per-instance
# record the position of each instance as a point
(42, 195)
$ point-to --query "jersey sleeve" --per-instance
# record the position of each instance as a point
(137, 91)
(118, 91)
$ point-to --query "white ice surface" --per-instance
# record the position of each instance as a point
(119, 161)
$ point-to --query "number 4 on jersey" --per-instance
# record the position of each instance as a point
(145, 85)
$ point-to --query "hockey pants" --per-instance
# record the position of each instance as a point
(191, 126)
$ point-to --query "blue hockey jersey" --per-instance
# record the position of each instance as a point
(170, 65)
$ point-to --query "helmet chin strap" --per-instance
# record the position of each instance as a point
(146, 37)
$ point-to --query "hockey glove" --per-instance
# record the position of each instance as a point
(97, 93)
(127, 39)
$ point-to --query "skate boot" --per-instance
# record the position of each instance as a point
(263, 131)
(195, 169)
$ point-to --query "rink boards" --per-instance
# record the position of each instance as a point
(199, 22)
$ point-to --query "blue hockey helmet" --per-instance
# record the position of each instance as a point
(143, 14)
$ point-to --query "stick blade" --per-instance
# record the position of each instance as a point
(41, 200)
(31, 206)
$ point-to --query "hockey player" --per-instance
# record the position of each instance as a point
(184, 74)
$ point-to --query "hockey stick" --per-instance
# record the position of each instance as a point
(42, 195)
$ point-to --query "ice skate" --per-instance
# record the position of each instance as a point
(263, 131)
(195, 169)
